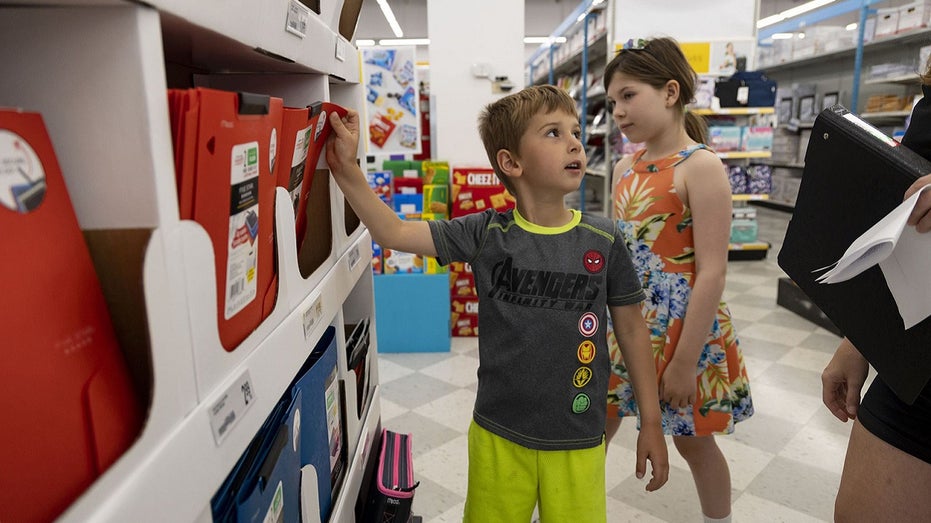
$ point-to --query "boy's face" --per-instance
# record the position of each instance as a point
(551, 154)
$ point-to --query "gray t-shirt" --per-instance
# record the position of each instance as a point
(543, 356)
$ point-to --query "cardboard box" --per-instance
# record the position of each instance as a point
(914, 16)
(887, 22)
(464, 316)
(475, 189)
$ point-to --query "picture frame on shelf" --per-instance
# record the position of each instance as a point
(806, 108)
(784, 110)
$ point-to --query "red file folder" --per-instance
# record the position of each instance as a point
(304, 134)
(67, 406)
(227, 184)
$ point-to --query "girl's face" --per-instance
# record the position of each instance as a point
(642, 112)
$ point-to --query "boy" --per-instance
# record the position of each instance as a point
(545, 276)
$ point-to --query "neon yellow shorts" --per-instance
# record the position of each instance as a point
(506, 480)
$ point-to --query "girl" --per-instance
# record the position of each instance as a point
(672, 199)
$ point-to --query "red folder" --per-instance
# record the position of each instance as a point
(230, 191)
(67, 406)
(304, 135)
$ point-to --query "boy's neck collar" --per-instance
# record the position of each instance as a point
(574, 218)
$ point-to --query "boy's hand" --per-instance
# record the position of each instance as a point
(342, 145)
(651, 445)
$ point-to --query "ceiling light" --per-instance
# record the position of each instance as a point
(389, 16)
(781, 36)
(404, 41)
(789, 13)
(851, 27)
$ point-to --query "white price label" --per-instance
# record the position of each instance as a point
(340, 50)
(226, 412)
(312, 316)
(353, 257)
(298, 16)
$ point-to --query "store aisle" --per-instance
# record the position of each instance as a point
(785, 461)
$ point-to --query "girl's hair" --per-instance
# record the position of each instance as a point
(656, 62)
(502, 123)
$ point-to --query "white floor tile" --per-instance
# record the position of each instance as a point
(817, 448)
(749, 508)
(457, 370)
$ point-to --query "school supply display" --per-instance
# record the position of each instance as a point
(226, 149)
(854, 177)
(67, 405)
(304, 134)
(391, 494)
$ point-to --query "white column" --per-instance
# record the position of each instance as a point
(489, 32)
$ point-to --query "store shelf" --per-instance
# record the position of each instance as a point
(592, 171)
(112, 137)
(878, 44)
(907, 79)
(884, 115)
(738, 155)
(747, 251)
(749, 197)
(734, 111)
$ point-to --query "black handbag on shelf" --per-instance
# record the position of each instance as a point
(391, 494)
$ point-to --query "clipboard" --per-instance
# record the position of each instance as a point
(854, 176)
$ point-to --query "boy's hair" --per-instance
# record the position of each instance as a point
(502, 123)
(656, 62)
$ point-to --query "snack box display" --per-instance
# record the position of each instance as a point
(475, 189)
(464, 316)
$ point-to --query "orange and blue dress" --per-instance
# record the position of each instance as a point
(658, 230)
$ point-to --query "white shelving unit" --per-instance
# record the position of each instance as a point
(98, 71)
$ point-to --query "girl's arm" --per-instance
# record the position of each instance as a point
(709, 197)
(633, 338)
(387, 229)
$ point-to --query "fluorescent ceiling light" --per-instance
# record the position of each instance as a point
(851, 27)
(581, 17)
(544, 40)
(776, 36)
(365, 43)
(404, 41)
(789, 13)
(389, 16)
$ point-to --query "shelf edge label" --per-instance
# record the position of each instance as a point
(226, 412)
(298, 16)
(312, 315)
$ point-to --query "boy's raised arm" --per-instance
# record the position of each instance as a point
(387, 229)
(633, 338)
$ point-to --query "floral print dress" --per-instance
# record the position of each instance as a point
(658, 229)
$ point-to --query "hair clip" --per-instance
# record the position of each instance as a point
(635, 45)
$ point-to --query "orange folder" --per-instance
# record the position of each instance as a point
(227, 184)
(67, 404)
(305, 131)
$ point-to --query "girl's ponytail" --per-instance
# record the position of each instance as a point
(696, 127)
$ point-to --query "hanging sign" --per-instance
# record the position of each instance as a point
(392, 100)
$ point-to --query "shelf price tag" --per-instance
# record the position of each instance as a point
(353, 257)
(226, 412)
(340, 51)
(298, 15)
(312, 315)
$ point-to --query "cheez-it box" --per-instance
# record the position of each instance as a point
(461, 280)
(464, 316)
(476, 189)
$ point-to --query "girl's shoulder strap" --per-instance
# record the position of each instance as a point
(637, 156)
(685, 153)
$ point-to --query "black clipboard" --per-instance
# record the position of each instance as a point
(854, 175)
